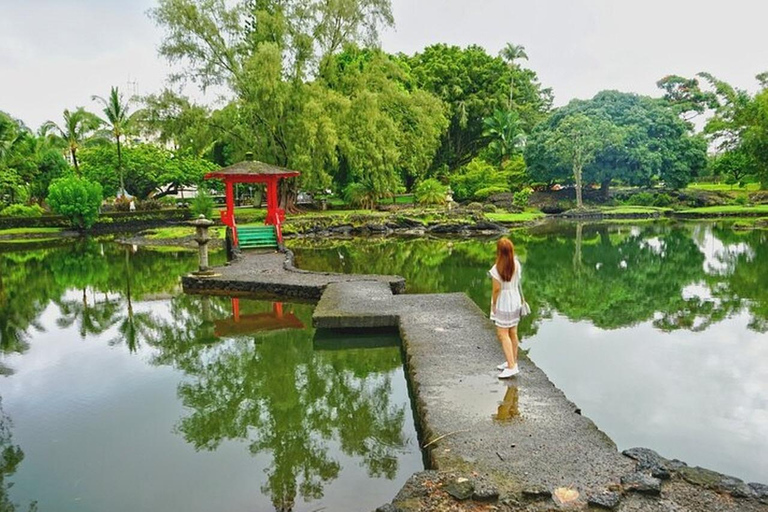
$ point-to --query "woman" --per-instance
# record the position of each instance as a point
(506, 304)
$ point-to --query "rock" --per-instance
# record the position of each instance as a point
(485, 226)
(759, 491)
(650, 461)
(642, 483)
(387, 508)
(700, 476)
(448, 228)
(606, 499)
(735, 486)
(460, 488)
(537, 492)
(485, 492)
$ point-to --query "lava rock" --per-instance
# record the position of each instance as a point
(607, 500)
(650, 461)
(735, 486)
(642, 483)
(388, 508)
(537, 492)
(485, 226)
(485, 492)
(460, 488)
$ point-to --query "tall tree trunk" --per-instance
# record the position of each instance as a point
(120, 165)
(577, 179)
(73, 151)
(604, 187)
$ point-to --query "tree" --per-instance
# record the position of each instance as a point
(118, 123)
(575, 141)
(657, 146)
(77, 199)
(686, 95)
(77, 127)
(512, 53)
(505, 135)
(473, 84)
(175, 120)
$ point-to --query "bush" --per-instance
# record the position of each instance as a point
(19, 210)
(641, 199)
(474, 207)
(521, 197)
(121, 204)
(663, 200)
(77, 199)
(485, 193)
(202, 204)
(478, 175)
(489, 208)
(430, 191)
(149, 205)
(742, 201)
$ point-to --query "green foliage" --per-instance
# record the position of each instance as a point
(485, 192)
(20, 210)
(473, 84)
(503, 130)
(148, 169)
(478, 175)
(77, 199)
(360, 195)
(634, 139)
(489, 208)
(521, 197)
(202, 204)
(430, 191)
(642, 199)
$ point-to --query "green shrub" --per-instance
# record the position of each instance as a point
(641, 199)
(430, 191)
(19, 210)
(202, 204)
(475, 176)
(121, 204)
(663, 200)
(521, 197)
(742, 201)
(359, 195)
(489, 208)
(77, 199)
(474, 207)
(149, 205)
(484, 193)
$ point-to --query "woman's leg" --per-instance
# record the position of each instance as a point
(514, 342)
(506, 345)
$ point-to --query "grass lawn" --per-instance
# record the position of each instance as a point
(632, 210)
(722, 187)
(514, 217)
(735, 210)
(29, 231)
(181, 232)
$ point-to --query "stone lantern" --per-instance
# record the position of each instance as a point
(201, 237)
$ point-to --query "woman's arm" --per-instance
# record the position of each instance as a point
(495, 294)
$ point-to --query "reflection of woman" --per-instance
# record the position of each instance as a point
(508, 407)
(506, 304)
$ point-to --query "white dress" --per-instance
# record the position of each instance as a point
(509, 302)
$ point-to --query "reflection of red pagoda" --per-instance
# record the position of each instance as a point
(239, 324)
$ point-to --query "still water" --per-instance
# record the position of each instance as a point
(659, 333)
(120, 393)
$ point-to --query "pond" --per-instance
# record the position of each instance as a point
(120, 393)
(658, 332)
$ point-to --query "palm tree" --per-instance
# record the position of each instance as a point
(510, 54)
(78, 125)
(117, 122)
(503, 130)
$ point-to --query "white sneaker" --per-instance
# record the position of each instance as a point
(507, 373)
(502, 366)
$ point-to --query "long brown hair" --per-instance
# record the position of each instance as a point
(505, 258)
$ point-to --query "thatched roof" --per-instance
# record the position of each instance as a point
(252, 169)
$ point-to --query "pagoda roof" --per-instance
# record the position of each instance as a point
(251, 170)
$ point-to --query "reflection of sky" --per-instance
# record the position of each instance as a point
(96, 425)
(719, 257)
(700, 397)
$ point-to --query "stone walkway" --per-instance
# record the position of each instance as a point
(514, 445)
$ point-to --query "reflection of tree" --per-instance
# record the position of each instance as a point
(10, 458)
(285, 399)
(613, 276)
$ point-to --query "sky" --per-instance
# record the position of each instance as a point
(57, 54)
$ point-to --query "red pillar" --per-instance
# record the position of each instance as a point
(272, 211)
(230, 197)
(236, 309)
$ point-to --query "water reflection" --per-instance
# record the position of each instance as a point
(612, 276)
(508, 407)
(307, 409)
(10, 458)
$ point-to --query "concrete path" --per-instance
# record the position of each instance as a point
(271, 275)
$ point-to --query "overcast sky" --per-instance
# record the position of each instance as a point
(55, 54)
